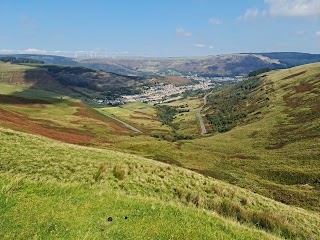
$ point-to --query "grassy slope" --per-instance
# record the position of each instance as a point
(267, 160)
(276, 155)
(288, 173)
(187, 122)
(142, 116)
(48, 191)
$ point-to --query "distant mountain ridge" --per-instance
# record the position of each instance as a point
(210, 66)
(291, 59)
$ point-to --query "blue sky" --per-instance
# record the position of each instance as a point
(158, 28)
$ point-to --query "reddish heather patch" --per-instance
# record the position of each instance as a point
(291, 101)
(303, 87)
(294, 75)
(85, 111)
(22, 122)
(78, 122)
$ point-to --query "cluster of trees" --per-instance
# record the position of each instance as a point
(228, 107)
(173, 137)
(224, 121)
(192, 93)
(166, 114)
(20, 60)
(258, 72)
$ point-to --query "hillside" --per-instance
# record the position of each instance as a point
(73, 190)
(223, 65)
(265, 137)
(291, 59)
(81, 82)
(271, 150)
(48, 59)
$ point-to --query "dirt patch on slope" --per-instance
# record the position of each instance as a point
(303, 87)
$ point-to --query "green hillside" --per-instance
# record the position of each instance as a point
(272, 150)
(52, 189)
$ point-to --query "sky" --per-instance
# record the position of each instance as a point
(158, 28)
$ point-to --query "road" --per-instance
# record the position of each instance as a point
(124, 123)
(203, 127)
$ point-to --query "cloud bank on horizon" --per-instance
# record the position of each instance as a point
(124, 28)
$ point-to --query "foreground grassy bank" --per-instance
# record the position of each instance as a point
(51, 210)
(51, 189)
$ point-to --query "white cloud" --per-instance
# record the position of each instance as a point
(34, 51)
(318, 33)
(78, 54)
(215, 21)
(210, 47)
(200, 45)
(300, 33)
(250, 14)
(182, 32)
(294, 8)
(26, 51)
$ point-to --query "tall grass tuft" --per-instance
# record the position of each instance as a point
(120, 171)
(101, 172)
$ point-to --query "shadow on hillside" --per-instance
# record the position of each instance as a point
(43, 89)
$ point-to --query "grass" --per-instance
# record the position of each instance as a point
(141, 115)
(57, 178)
(187, 121)
(288, 173)
(275, 154)
(55, 211)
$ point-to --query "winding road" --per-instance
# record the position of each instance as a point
(203, 127)
(122, 122)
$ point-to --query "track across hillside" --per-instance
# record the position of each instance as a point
(203, 127)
